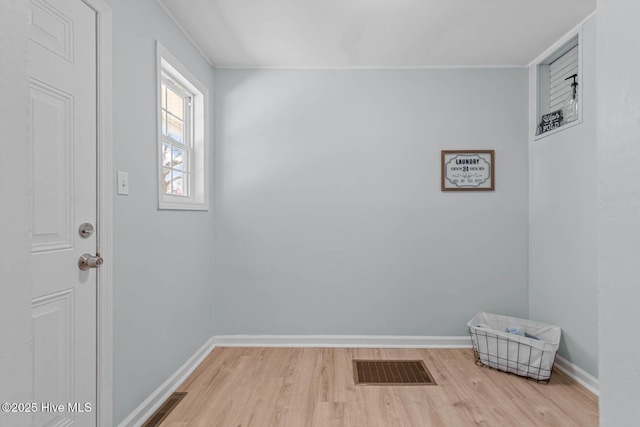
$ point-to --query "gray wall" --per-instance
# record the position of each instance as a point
(16, 334)
(329, 214)
(563, 287)
(619, 210)
(162, 265)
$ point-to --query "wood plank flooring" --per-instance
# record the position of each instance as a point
(301, 387)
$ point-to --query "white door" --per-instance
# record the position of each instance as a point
(62, 77)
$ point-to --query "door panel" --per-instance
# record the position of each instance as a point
(51, 28)
(51, 126)
(53, 332)
(62, 75)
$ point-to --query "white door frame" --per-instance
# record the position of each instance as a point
(104, 175)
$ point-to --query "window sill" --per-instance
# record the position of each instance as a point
(560, 129)
(183, 206)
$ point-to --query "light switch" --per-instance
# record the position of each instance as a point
(123, 183)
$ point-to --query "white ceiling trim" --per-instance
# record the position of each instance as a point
(186, 34)
(352, 34)
(373, 67)
(562, 40)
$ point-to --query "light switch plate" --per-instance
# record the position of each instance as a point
(123, 183)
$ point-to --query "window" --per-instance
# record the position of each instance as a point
(176, 113)
(560, 70)
(183, 131)
(555, 73)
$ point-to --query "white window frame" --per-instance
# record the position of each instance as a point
(186, 145)
(197, 132)
(542, 90)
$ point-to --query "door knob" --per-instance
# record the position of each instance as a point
(88, 261)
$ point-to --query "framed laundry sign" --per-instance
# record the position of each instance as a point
(468, 170)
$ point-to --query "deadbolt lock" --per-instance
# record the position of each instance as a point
(86, 230)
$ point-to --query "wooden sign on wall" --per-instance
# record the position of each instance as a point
(550, 121)
(468, 170)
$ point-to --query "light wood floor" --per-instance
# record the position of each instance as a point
(300, 387)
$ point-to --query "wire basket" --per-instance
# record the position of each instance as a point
(531, 356)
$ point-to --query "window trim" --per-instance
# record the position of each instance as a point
(541, 79)
(198, 198)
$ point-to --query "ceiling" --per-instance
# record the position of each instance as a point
(375, 33)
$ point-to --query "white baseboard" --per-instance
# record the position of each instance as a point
(581, 376)
(353, 341)
(157, 398)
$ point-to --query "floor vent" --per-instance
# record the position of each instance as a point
(391, 372)
(165, 409)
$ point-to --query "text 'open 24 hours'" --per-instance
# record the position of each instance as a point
(467, 170)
